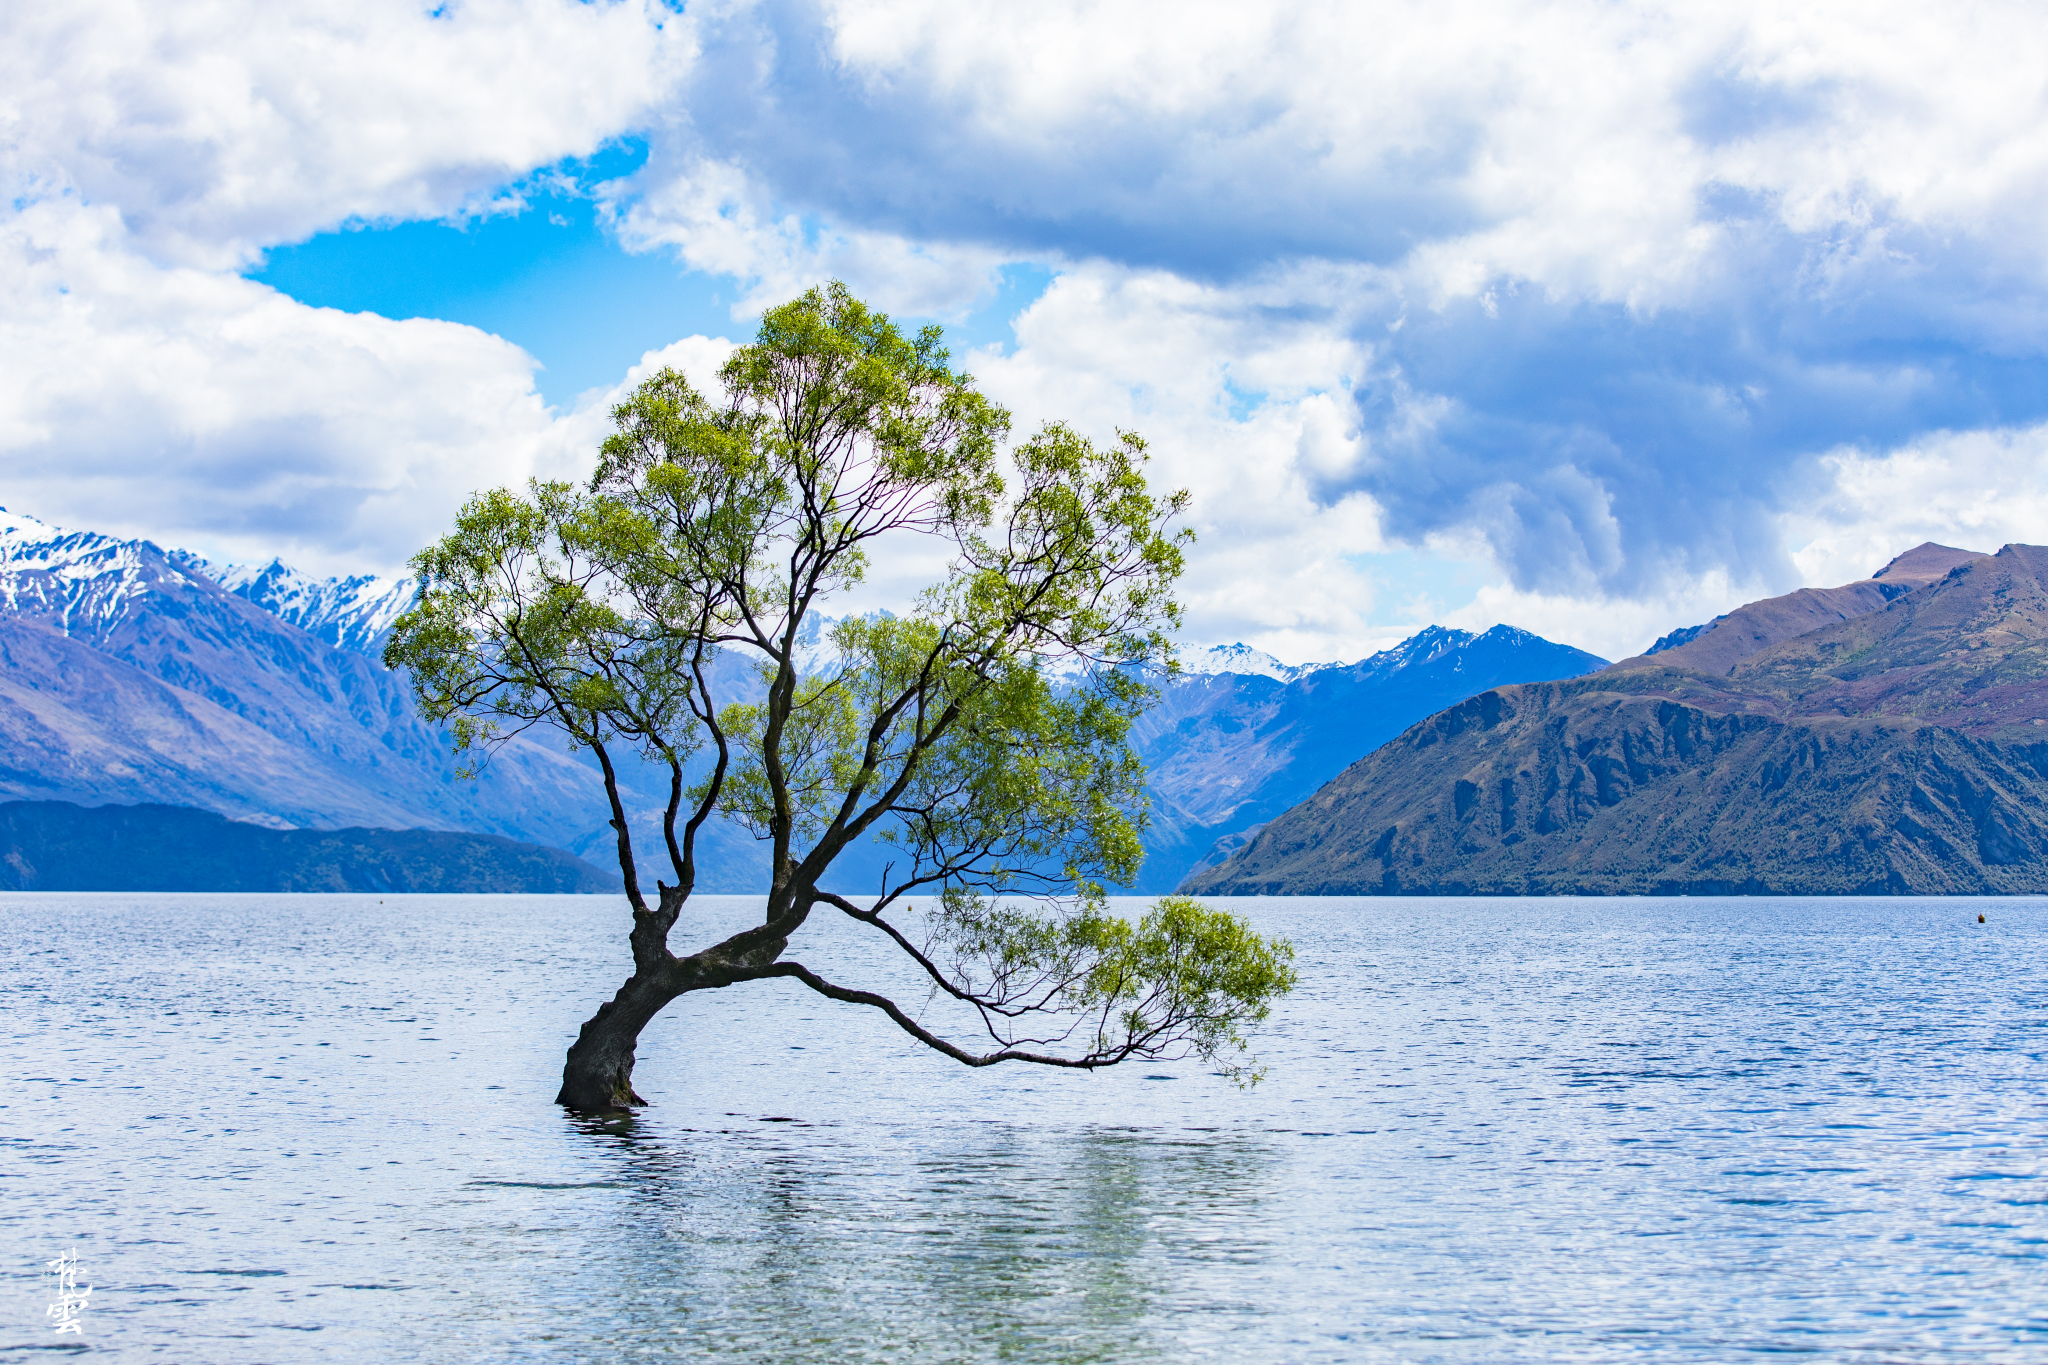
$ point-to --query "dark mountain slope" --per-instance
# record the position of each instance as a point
(1970, 651)
(1904, 749)
(1229, 751)
(56, 846)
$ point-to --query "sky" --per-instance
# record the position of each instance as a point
(1595, 319)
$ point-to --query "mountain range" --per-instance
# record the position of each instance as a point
(1889, 736)
(131, 675)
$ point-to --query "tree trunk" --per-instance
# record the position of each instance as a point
(598, 1075)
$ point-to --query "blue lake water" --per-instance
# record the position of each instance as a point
(298, 1128)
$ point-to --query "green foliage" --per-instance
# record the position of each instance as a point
(516, 627)
(1185, 979)
(665, 608)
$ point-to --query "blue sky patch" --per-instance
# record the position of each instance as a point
(551, 279)
(1417, 587)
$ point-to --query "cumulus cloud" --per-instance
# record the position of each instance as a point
(1976, 490)
(203, 409)
(1615, 277)
(1242, 405)
(1650, 306)
(153, 150)
(1590, 148)
(215, 129)
(717, 219)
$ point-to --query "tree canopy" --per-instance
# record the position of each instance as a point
(675, 611)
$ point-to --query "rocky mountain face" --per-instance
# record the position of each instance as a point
(1726, 641)
(57, 846)
(1888, 736)
(1232, 747)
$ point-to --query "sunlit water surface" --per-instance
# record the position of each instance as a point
(299, 1128)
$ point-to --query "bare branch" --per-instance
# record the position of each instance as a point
(1089, 1062)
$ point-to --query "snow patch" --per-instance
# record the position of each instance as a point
(353, 613)
(83, 575)
(1243, 660)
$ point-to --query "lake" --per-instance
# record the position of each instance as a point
(300, 1128)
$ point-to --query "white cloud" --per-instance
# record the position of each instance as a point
(1346, 267)
(209, 411)
(217, 129)
(1242, 409)
(1611, 627)
(718, 220)
(1976, 490)
(697, 358)
(213, 413)
(1565, 144)
(1767, 204)
(152, 150)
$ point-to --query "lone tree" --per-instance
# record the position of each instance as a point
(659, 615)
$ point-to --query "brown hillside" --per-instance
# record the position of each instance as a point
(1902, 748)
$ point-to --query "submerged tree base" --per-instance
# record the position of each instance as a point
(597, 1077)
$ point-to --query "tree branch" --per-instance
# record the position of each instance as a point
(1089, 1062)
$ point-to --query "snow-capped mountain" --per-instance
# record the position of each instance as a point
(349, 613)
(130, 674)
(77, 581)
(1432, 643)
(1422, 648)
(1244, 661)
(92, 580)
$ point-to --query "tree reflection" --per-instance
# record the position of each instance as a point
(792, 1241)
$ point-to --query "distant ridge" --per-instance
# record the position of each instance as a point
(1728, 639)
(130, 674)
(57, 846)
(1245, 661)
(1684, 635)
(353, 613)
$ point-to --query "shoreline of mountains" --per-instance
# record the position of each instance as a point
(59, 846)
(140, 680)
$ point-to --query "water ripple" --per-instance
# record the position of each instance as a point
(315, 1128)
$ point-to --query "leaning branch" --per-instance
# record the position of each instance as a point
(931, 968)
(923, 1035)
